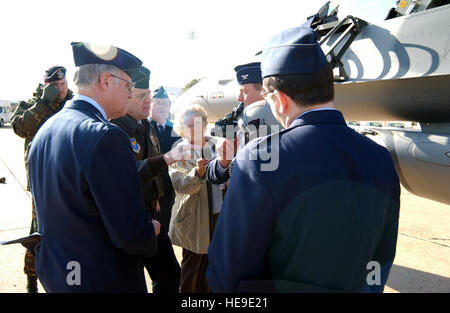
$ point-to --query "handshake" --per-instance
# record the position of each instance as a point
(181, 152)
(185, 151)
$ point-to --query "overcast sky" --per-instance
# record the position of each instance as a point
(37, 34)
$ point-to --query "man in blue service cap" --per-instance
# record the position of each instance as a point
(163, 128)
(256, 107)
(159, 114)
(89, 203)
(249, 79)
(254, 110)
(324, 220)
(163, 268)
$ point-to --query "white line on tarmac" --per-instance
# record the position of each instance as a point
(11, 229)
(427, 240)
(11, 172)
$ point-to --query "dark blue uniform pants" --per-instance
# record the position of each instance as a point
(164, 269)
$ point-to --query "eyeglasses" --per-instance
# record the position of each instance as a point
(130, 84)
(264, 94)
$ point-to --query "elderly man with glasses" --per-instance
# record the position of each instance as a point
(163, 269)
(92, 225)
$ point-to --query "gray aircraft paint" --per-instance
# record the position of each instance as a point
(398, 70)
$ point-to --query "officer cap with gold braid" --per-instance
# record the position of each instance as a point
(86, 53)
(54, 73)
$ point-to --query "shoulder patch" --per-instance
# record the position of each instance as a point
(134, 145)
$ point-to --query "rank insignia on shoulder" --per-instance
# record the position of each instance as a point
(134, 145)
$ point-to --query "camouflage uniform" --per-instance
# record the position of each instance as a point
(26, 121)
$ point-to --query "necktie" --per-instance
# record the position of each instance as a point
(140, 129)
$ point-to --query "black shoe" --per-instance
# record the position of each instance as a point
(32, 284)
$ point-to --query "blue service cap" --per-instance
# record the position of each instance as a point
(86, 53)
(248, 73)
(160, 93)
(291, 52)
(141, 77)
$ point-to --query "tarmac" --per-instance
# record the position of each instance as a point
(421, 265)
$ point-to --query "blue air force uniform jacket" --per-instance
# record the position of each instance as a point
(89, 205)
(309, 214)
(215, 173)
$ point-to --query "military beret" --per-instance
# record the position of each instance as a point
(248, 73)
(54, 73)
(86, 53)
(141, 77)
(291, 52)
(160, 93)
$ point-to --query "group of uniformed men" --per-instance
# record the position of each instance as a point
(102, 196)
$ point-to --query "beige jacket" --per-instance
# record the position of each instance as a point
(189, 225)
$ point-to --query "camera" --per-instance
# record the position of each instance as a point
(229, 120)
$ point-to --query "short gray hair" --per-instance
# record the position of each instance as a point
(191, 110)
(88, 74)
